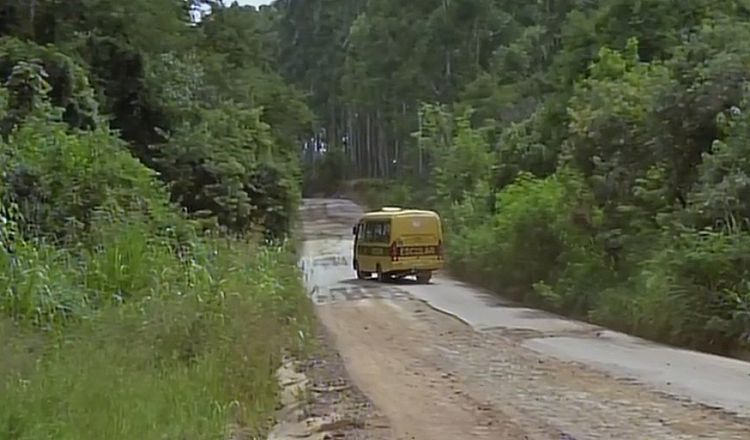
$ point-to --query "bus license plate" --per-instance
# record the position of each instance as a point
(413, 251)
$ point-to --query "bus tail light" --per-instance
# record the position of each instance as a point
(394, 251)
(439, 250)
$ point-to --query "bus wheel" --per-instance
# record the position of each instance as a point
(424, 277)
(382, 277)
(363, 275)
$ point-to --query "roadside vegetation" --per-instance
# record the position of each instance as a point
(150, 179)
(591, 158)
(588, 157)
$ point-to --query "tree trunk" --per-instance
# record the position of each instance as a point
(420, 172)
(368, 146)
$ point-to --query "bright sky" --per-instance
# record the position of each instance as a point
(250, 2)
(255, 3)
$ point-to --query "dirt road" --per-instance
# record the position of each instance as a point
(446, 361)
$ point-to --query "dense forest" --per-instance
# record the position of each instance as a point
(150, 180)
(588, 157)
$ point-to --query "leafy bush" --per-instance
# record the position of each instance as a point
(541, 242)
(60, 180)
(222, 165)
(121, 320)
(69, 83)
(693, 292)
(461, 154)
(722, 193)
(468, 232)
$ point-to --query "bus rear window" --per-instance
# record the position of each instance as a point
(377, 232)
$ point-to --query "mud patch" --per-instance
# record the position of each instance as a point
(358, 293)
(332, 260)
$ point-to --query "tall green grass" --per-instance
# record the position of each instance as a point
(132, 340)
(183, 363)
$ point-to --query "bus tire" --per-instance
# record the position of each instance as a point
(363, 275)
(424, 277)
(382, 277)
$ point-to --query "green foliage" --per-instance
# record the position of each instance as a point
(164, 324)
(602, 242)
(177, 328)
(222, 165)
(67, 81)
(161, 78)
(693, 292)
(195, 355)
(327, 174)
(522, 147)
(61, 180)
(461, 154)
(609, 137)
(722, 195)
(222, 159)
(542, 234)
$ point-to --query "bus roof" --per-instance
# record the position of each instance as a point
(391, 212)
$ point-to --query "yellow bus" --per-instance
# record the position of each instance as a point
(395, 243)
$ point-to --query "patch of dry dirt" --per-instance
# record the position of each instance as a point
(386, 356)
(434, 378)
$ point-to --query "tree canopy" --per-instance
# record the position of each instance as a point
(201, 103)
(587, 156)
